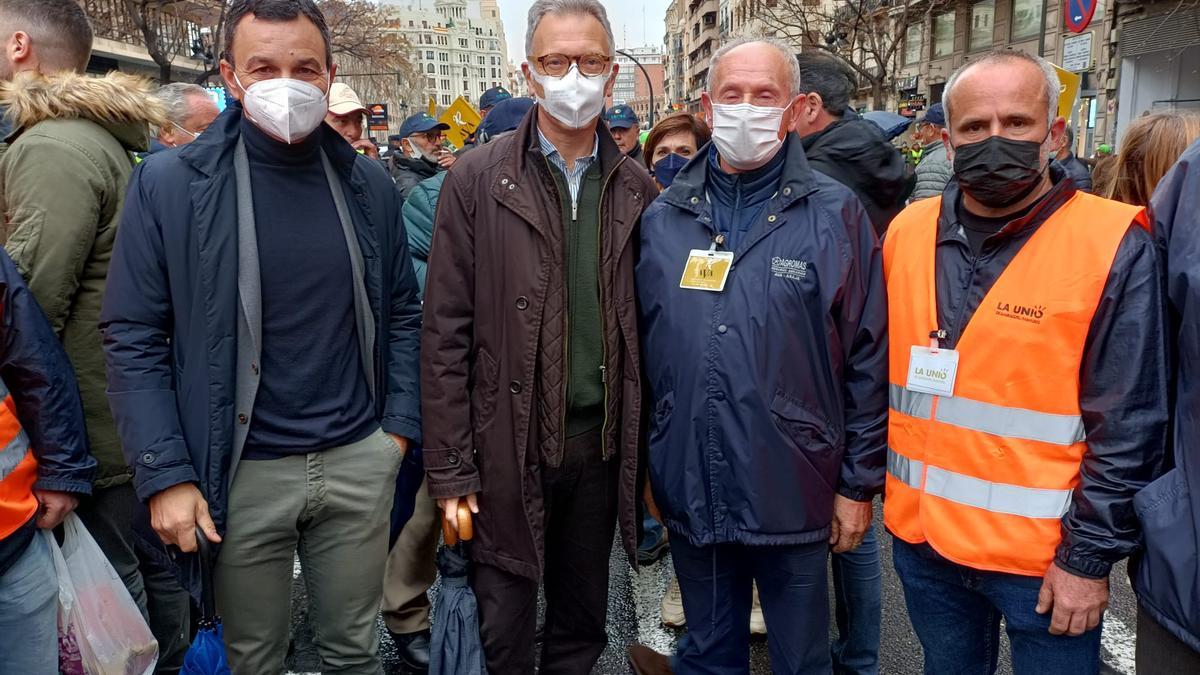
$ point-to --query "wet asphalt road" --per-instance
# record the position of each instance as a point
(633, 616)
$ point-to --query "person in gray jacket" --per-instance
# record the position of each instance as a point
(935, 169)
(1076, 170)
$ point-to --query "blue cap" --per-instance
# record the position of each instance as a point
(505, 116)
(620, 117)
(935, 115)
(493, 96)
(419, 124)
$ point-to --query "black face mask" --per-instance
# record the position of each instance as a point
(999, 172)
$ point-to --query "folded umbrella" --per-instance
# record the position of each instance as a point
(892, 124)
(455, 645)
(206, 656)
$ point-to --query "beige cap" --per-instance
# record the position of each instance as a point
(343, 100)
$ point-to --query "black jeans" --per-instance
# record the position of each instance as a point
(109, 517)
(1159, 652)
(580, 500)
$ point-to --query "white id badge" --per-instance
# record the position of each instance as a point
(707, 270)
(932, 371)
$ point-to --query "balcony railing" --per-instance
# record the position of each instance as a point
(178, 35)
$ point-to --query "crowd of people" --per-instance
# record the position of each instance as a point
(725, 342)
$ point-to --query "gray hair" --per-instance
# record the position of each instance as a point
(591, 8)
(1001, 56)
(785, 50)
(174, 98)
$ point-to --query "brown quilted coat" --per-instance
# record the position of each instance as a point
(492, 349)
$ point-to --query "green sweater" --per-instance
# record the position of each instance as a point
(585, 335)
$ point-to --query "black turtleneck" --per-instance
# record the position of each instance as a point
(313, 393)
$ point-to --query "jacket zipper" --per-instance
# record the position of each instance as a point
(958, 327)
(603, 329)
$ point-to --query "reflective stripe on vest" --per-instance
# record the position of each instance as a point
(989, 418)
(982, 494)
(985, 476)
(18, 469)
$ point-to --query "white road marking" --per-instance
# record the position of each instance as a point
(649, 585)
(1119, 642)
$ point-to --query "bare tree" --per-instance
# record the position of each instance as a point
(866, 35)
(167, 28)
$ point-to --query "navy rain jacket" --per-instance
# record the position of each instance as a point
(771, 396)
(171, 309)
(1167, 578)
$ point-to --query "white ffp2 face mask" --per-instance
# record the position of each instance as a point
(573, 99)
(285, 109)
(747, 136)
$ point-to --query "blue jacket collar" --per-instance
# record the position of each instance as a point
(688, 192)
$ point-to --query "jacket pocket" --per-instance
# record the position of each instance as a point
(807, 428)
(662, 414)
(1164, 577)
(483, 390)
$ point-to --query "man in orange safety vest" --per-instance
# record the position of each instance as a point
(1027, 385)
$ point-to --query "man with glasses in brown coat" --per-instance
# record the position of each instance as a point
(530, 368)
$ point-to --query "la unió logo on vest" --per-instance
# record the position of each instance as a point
(1028, 313)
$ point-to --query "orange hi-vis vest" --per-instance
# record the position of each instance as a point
(986, 475)
(18, 470)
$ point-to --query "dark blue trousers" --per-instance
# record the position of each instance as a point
(716, 585)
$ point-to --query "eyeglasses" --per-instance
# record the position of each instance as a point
(193, 134)
(557, 65)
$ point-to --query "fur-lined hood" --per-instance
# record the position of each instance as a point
(119, 102)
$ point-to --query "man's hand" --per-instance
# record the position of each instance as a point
(402, 442)
(54, 507)
(450, 508)
(367, 146)
(446, 158)
(850, 522)
(177, 511)
(1078, 602)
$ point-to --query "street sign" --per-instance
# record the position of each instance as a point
(377, 116)
(1077, 52)
(1068, 91)
(463, 120)
(1079, 14)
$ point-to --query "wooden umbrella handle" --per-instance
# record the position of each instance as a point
(465, 531)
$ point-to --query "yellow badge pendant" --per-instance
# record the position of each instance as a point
(707, 270)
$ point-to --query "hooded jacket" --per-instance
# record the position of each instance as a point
(62, 186)
(408, 172)
(769, 397)
(1167, 578)
(854, 152)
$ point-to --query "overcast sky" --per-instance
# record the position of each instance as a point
(635, 23)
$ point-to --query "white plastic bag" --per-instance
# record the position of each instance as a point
(70, 661)
(113, 637)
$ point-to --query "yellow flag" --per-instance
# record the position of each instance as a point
(1068, 91)
(463, 120)
(433, 107)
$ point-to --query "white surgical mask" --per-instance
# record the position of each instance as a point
(746, 135)
(286, 109)
(573, 99)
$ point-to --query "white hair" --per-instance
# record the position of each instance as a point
(1001, 56)
(174, 98)
(793, 66)
(591, 8)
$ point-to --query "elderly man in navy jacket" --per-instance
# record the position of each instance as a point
(261, 332)
(764, 341)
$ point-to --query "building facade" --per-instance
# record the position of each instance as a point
(702, 37)
(1156, 59)
(119, 44)
(638, 88)
(674, 57)
(459, 45)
